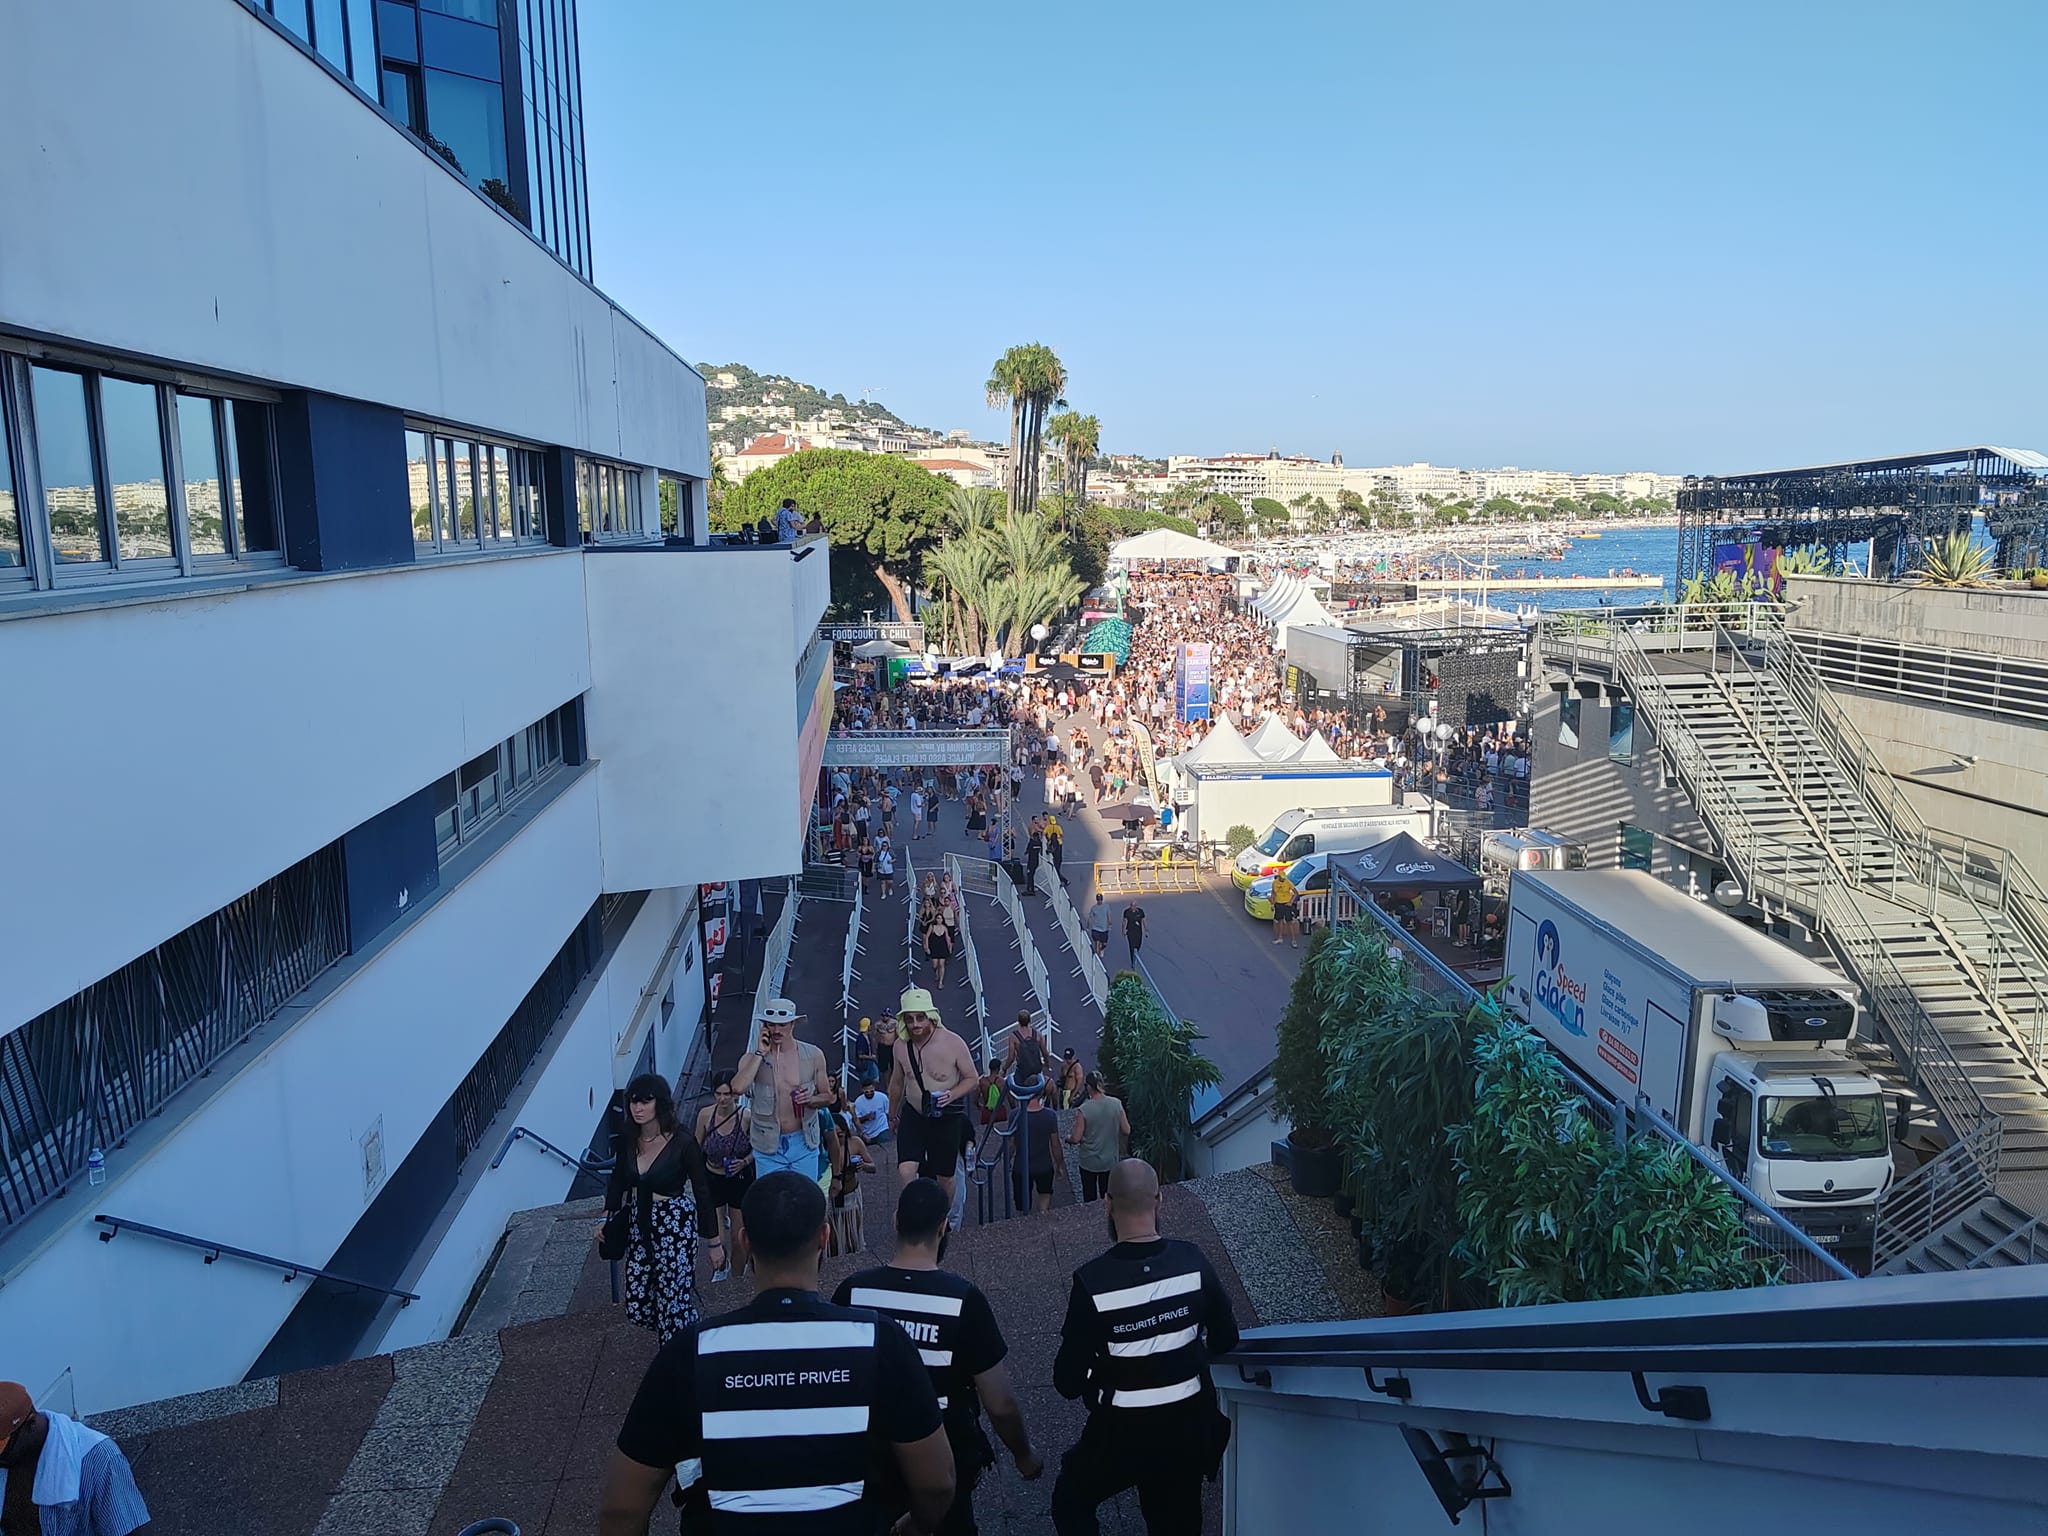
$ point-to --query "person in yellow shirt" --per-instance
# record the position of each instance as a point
(1284, 929)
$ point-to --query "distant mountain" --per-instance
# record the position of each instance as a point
(742, 404)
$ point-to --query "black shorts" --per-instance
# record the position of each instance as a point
(727, 1190)
(1283, 911)
(1041, 1181)
(931, 1141)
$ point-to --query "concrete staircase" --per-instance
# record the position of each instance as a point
(1993, 1234)
(1811, 821)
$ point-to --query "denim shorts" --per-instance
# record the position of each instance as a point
(790, 1155)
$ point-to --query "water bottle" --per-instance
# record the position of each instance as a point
(96, 1167)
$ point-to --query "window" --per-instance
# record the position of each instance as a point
(402, 95)
(88, 1071)
(1568, 720)
(470, 494)
(608, 500)
(1621, 731)
(134, 477)
(1637, 845)
(479, 792)
(466, 124)
(678, 506)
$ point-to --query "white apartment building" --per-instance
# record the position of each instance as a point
(367, 742)
(1248, 475)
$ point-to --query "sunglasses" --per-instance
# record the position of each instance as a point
(641, 1098)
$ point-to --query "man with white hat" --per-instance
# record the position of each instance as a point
(929, 1093)
(59, 1478)
(785, 1080)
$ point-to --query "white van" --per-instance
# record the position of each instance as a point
(1336, 829)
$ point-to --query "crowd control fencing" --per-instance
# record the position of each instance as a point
(954, 869)
(775, 958)
(1088, 966)
(910, 916)
(848, 975)
(1028, 960)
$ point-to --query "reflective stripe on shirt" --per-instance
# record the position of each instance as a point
(753, 1423)
(1154, 1397)
(786, 1501)
(1152, 1290)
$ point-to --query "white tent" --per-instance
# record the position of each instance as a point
(1277, 597)
(1316, 750)
(1304, 610)
(1273, 741)
(1168, 544)
(1223, 745)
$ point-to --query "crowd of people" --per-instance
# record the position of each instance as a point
(763, 1180)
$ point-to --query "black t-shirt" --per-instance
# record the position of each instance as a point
(1134, 922)
(1033, 1152)
(665, 1425)
(948, 1320)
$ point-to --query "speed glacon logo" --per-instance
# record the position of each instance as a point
(1561, 997)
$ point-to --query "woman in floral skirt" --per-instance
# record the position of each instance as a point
(658, 1177)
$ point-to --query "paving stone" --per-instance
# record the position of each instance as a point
(574, 1511)
(469, 1500)
(384, 1512)
(415, 1456)
(193, 1408)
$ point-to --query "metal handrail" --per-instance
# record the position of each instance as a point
(1878, 793)
(116, 1225)
(589, 1165)
(1964, 1172)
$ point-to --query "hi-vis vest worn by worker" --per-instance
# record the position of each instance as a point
(785, 1405)
(1151, 1314)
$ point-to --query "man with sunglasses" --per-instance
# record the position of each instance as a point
(58, 1478)
(929, 1093)
(785, 1080)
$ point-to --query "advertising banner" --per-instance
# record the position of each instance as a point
(714, 938)
(1191, 682)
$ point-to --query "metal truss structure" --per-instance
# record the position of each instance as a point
(1898, 504)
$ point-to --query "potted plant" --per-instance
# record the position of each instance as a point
(1235, 841)
(1301, 1076)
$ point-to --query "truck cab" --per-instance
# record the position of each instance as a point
(1792, 1118)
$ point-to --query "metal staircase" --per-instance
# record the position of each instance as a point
(1810, 822)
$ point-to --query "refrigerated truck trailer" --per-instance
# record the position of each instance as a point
(1739, 1042)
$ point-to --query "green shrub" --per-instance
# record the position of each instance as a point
(1153, 1063)
(1237, 839)
(1301, 1078)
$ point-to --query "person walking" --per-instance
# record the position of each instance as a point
(885, 1045)
(929, 1094)
(938, 939)
(1035, 1157)
(916, 814)
(59, 1478)
(885, 867)
(1143, 1321)
(1034, 850)
(955, 1331)
(1056, 847)
(729, 1168)
(1024, 1051)
(863, 1054)
(1134, 928)
(784, 1079)
(867, 863)
(1098, 925)
(1071, 1080)
(1102, 1131)
(795, 1413)
(658, 1185)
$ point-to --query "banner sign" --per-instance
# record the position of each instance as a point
(917, 749)
(714, 938)
(909, 635)
(1191, 682)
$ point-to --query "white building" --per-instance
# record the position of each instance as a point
(1248, 475)
(359, 761)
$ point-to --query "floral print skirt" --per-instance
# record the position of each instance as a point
(661, 1274)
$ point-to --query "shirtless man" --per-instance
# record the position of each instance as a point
(929, 1093)
(785, 1080)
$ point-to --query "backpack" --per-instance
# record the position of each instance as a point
(1030, 1061)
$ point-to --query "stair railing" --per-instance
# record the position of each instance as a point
(116, 1225)
(1766, 870)
(1934, 1194)
(2016, 976)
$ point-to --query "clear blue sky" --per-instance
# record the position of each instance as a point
(1692, 237)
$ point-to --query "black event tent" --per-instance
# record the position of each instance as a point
(1403, 864)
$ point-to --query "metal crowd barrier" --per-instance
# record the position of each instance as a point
(953, 868)
(1088, 965)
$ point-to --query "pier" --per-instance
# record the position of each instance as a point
(1463, 584)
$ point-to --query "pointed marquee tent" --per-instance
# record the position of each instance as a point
(1162, 544)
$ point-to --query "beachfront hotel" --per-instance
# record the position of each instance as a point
(356, 619)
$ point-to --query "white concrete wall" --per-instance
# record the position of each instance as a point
(1244, 1140)
(190, 750)
(2001, 621)
(244, 213)
(693, 713)
(272, 1161)
(562, 1106)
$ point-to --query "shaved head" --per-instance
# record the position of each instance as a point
(1134, 1200)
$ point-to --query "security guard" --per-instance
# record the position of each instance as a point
(1142, 1321)
(793, 1408)
(955, 1331)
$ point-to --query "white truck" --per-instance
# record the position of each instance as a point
(1736, 1040)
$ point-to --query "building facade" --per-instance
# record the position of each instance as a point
(360, 634)
(492, 86)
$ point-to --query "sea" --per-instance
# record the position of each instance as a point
(1644, 551)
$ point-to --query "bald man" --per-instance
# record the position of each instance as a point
(1142, 1322)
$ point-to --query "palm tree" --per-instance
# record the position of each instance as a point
(1030, 379)
(1079, 439)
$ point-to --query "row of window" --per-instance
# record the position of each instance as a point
(104, 475)
(607, 500)
(551, 104)
(1621, 726)
(484, 788)
(470, 494)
